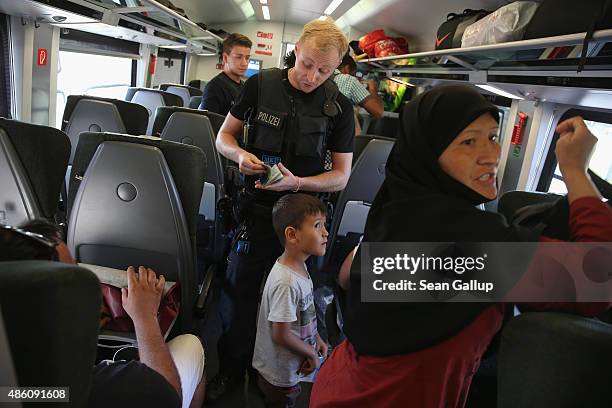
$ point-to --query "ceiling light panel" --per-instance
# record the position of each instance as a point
(496, 90)
(332, 7)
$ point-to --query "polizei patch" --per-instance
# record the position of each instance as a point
(270, 118)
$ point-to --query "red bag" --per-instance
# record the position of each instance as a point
(111, 282)
(385, 48)
(119, 319)
(402, 43)
(368, 41)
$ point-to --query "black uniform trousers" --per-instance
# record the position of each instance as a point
(254, 251)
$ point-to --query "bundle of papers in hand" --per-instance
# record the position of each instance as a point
(273, 174)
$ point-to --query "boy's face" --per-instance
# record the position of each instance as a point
(311, 237)
(237, 61)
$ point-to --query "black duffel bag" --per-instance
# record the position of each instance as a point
(451, 31)
(561, 17)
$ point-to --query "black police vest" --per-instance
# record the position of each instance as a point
(289, 129)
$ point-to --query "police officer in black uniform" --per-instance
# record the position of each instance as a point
(222, 91)
(290, 118)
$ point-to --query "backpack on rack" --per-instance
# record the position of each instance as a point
(451, 31)
(560, 17)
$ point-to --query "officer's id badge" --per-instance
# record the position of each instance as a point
(270, 161)
(268, 117)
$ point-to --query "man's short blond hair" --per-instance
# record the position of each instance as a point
(325, 34)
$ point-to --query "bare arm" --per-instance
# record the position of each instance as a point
(334, 180)
(228, 146)
(328, 181)
(282, 336)
(373, 104)
(141, 301)
(573, 150)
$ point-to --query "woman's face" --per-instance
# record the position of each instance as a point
(472, 158)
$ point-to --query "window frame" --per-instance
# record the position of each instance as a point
(550, 163)
(6, 68)
(165, 53)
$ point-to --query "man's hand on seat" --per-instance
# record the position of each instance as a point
(141, 301)
(142, 296)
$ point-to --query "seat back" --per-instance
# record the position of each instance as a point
(7, 375)
(92, 115)
(135, 117)
(554, 360)
(386, 126)
(197, 83)
(184, 91)
(192, 126)
(194, 102)
(152, 99)
(512, 202)
(354, 202)
(137, 205)
(84, 113)
(361, 141)
(53, 339)
(216, 120)
(33, 162)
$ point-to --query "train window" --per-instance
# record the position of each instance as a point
(600, 124)
(91, 74)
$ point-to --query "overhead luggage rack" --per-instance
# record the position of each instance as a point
(561, 53)
(143, 21)
(156, 20)
(543, 69)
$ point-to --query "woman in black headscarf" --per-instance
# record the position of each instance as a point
(443, 164)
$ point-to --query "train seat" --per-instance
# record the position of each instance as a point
(52, 340)
(151, 99)
(192, 126)
(134, 201)
(554, 360)
(84, 113)
(361, 141)
(184, 91)
(353, 205)
(33, 161)
(194, 102)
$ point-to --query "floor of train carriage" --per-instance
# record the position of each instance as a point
(247, 396)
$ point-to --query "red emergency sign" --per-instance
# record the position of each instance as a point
(42, 56)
